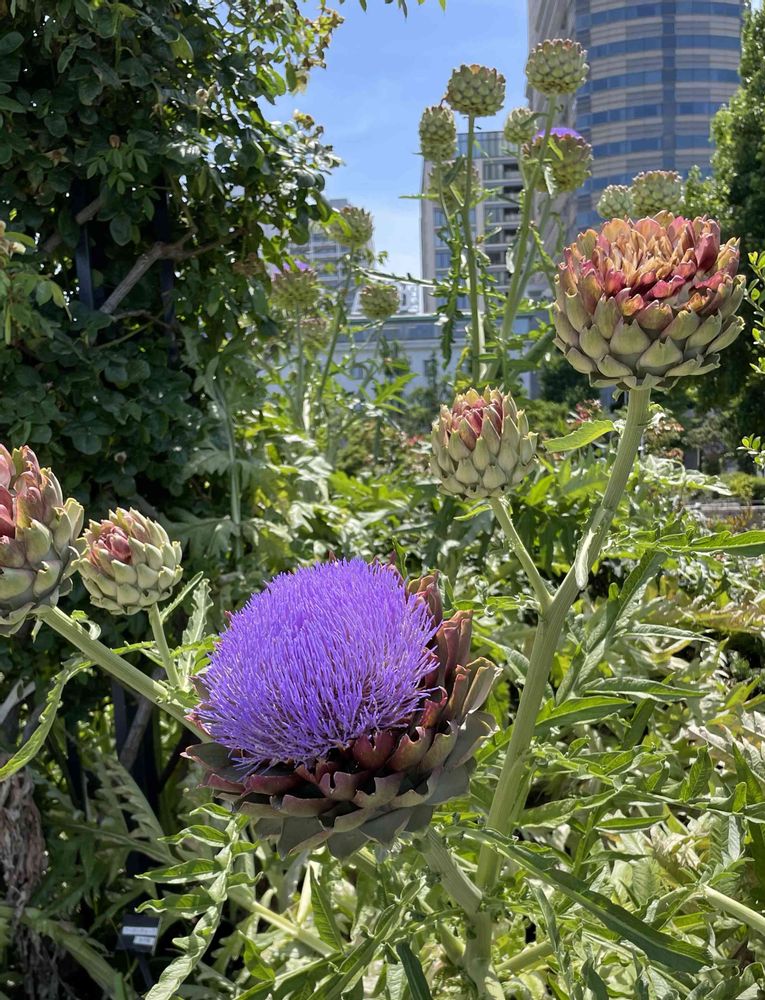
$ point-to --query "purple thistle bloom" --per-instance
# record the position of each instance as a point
(559, 130)
(321, 657)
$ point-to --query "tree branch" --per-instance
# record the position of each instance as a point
(83, 216)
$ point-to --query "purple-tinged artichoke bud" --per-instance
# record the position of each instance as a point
(128, 563)
(644, 303)
(482, 445)
(568, 157)
(295, 289)
(342, 707)
(476, 90)
(520, 125)
(438, 134)
(657, 191)
(557, 66)
(353, 229)
(38, 529)
(379, 301)
(616, 202)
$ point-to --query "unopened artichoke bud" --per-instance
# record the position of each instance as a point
(38, 529)
(640, 304)
(295, 289)
(568, 157)
(341, 707)
(482, 445)
(438, 134)
(520, 125)
(447, 181)
(476, 90)
(379, 301)
(657, 191)
(616, 202)
(128, 563)
(557, 66)
(355, 230)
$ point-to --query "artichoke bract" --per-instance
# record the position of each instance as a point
(354, 229)
(38, 529)
(295, 289)
(655, 191)
(616, 202)
(520, 125)
(379, 301)
(342, 707)
(482, 445)
(644, 303)
(475, 90)
(438, 134)
(128, 563)
(557, 66)
(568, 157)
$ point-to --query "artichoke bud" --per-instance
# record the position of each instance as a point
(482, 446)
(438, 133)
(379, 301)
(616, 202)
(641, 304)
(353, 229)
(520, 125)
(37, 538)
(557, 66)
(476, 91)
(128, 563)
(568, 156)
(655, 191)
(295, 289)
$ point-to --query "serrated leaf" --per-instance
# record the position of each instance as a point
(696, 782)
(415, 977)
(323, 917)
(577, 710)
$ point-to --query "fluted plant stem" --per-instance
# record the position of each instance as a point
(300, 375)
(476, 330)
(520, 249)
(158, 631)
(512, 788)
(454, 880)
(114, 664)
(535, 579)
(337, 322)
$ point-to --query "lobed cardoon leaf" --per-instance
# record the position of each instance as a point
(415, 977)
(323, 915)
(578, 710)
(582, 436)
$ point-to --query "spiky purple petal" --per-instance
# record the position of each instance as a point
(321, 657)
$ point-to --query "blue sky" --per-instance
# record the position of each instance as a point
(382, 69)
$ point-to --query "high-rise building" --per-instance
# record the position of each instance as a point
(495, 220)
(658, 73)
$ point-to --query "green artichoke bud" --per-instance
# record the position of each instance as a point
(657, 191)
(644, 303)
(616, 202)
(438, 133)
(476, 90)
(127, 562)
(568, 158)
(379, 301)
(354, 228)
(482, 446)
(557, 66)
(295, 289)
(447, 181)
(38, 529)
(520, 125)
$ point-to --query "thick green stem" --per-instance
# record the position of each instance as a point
(476, 330)
(337, 322)
(516, 290)
(735, 909)
(300, 387)
(454, 880)
(528, 957)
(536, 581)
(113, 664)
(512, 787)
(155, 620)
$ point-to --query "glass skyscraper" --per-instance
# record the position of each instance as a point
(658, 73)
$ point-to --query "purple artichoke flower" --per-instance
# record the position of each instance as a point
(340, 707)
(559, 131)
